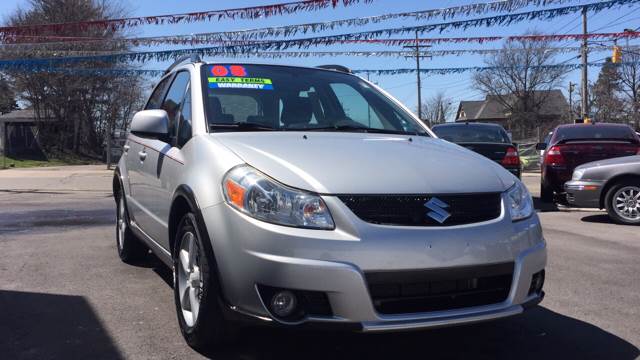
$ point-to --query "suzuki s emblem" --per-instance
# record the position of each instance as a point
(437, 207)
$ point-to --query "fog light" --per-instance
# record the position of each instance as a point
(283, 303)
(537, 282)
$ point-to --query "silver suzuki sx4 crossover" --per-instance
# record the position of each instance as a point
(309, 197)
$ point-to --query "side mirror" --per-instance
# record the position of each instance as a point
(153, 123)
(541, 146)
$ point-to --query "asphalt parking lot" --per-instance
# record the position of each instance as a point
(65, 294)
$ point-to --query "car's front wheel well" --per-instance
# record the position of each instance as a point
(615, 180)
(179, 208)
(116, 186)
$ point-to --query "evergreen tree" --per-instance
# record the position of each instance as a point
(607, 104)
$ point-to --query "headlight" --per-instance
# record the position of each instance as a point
(577, 174)
(520, 202)
(258, 196)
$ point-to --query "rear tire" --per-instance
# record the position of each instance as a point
(130, 248)
(623, 203)
(546, 194)
(197, 290)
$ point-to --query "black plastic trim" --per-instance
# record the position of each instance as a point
(440, 274)
(533, 302)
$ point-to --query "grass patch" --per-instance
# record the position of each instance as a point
(28, 163)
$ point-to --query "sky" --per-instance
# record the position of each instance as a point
(457, 87)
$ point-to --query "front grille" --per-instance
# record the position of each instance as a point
(415, 291)
(410, 210)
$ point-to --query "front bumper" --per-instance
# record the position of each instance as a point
(251, 253)
(584, 193)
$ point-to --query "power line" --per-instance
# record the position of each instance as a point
(610, 23)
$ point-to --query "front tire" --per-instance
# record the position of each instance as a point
(623, 203)
(130, 248)
(197, 290)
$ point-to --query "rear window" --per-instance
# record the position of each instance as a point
(594, 132)
(472, 134)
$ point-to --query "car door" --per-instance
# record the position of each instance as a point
(155, 194)
(135, 151)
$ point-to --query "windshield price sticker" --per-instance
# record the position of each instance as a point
(240, 83)
(230, 70)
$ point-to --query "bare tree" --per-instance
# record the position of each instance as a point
(630, 84)
(520, 78)
(7, 97)
(81, 104)
(437, 109)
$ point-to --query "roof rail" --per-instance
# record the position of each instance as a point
(193, 58)
(340, 68)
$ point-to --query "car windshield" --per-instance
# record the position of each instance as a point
(281, 98)
(470, 133)
(594, 132)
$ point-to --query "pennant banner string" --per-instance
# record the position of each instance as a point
(255, 38)
(354, 53)
(386, 42)
(253, 12)
(230, 51)
(10, 36)
(379, 72)
(288, 8)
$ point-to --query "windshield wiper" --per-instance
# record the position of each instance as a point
(241, 126)
(362, 129)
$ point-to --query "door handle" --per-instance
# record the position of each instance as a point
(142, 155)
(125, 148)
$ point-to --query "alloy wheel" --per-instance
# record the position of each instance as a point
(626, 202)
(189, 278)
(121, 223)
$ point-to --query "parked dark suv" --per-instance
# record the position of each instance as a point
(489, 140)
(577, 144)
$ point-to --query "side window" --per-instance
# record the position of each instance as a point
(184, 127)
(155, 100)
(172, 101)
(355, 106)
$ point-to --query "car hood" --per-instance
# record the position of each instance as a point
(361, 163)
(613, 161)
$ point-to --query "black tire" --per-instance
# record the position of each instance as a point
(610, 202)
(130, 248)
(208, 331)
(546, 194)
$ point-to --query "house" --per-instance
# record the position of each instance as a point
(553, 110)
(18, 136)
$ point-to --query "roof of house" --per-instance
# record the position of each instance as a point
(492, 108)
(22, 115)
(470, 108)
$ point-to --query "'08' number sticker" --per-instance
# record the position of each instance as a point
(228, 70)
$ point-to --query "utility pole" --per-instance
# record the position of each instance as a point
(418, 79)
(418, 56)
(572, 86)
(585, 90)
(3, 132)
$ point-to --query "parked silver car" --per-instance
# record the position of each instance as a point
(308, 196)
(612, 184)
